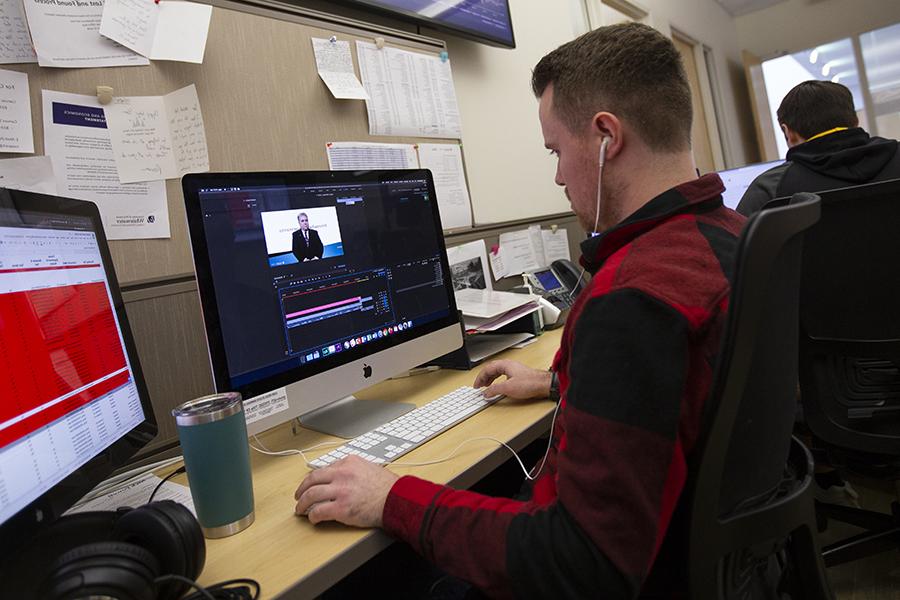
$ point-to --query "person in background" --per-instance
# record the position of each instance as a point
(827, 148)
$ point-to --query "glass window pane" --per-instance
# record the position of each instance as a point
(833, 61)
(881, 55)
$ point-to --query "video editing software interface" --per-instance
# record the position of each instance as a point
(66, 384)
(304, 272)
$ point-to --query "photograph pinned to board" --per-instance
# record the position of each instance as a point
(468, 266)
(159, 30)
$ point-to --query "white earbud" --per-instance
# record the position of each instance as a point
(601, 161)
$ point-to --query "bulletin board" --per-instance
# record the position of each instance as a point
(264, 106)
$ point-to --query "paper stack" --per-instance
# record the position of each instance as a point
(486, 310)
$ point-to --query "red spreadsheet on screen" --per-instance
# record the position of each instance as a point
(59, 350)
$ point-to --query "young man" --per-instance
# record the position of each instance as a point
(637, 355)
(827, 149)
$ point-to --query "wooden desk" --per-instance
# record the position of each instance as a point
(292, 558)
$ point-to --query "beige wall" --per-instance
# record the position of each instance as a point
(799, 24)
(708, 23)
(510, 173)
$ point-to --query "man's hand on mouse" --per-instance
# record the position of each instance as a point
(351, 491)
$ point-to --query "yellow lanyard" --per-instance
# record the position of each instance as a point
(824, 133)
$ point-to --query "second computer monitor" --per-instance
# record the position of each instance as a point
(321, 283)
(738, 180)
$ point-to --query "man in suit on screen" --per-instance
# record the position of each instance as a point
(307, 244)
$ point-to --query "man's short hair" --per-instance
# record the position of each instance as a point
(302, 215)
(630, 70)
(816, 106)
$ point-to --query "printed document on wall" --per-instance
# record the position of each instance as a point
(15, 41)
(65, 34)
(77, 141)
(410, 93)
(335, 66)
(445, 162)
(352, 156)
(16, 134)
(163, 31)
(30, 173)
(157, 137)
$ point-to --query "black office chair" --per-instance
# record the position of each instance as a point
(850, 350)
(748, 501)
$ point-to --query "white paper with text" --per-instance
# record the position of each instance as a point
(445, 162)
(77, 141)
(16, 133)
(15, 41)
(410, 93)
(66, 34)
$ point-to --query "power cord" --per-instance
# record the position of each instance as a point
(233, 589)
(528, 476)
(177, 471)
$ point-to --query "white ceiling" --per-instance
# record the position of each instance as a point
(736, 8)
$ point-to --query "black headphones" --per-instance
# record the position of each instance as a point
(145, 543)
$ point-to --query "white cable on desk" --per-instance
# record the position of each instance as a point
(528, 476)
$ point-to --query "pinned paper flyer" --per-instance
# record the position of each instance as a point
(158, 30)
(468, 266)
(335, 66)
(157, 137)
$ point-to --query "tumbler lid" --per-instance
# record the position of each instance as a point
(208, 408)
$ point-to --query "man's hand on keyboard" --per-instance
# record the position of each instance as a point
(351, 491)
(522, 383)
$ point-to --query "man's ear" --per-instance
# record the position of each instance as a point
(792, 137)
(606, 125)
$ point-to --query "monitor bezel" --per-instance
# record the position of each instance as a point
(191, 185)
(50, 505)
(410, 16)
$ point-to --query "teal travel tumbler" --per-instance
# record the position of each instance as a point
(213, 436)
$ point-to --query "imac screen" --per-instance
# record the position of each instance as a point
(311, 270)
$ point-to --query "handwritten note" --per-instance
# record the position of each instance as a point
(335, 66)
(188, 132)
(163, 31)
(16, 134)
(157, 137)
(15, 41)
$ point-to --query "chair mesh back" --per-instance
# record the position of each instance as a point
(851, 271)
(760, 440)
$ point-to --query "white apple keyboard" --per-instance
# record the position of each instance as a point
(410, 430)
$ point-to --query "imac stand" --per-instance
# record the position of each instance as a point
(351, 417)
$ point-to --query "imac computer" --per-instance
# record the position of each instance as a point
(738, 180)
(315, 285)
(73, 404)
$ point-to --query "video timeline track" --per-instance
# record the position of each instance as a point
(332, 316)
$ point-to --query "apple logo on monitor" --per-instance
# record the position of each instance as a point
(367, 371)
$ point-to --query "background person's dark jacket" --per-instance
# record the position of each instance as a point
(837, 160)
(303, 250)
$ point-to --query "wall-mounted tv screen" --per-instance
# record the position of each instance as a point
(485, 21)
